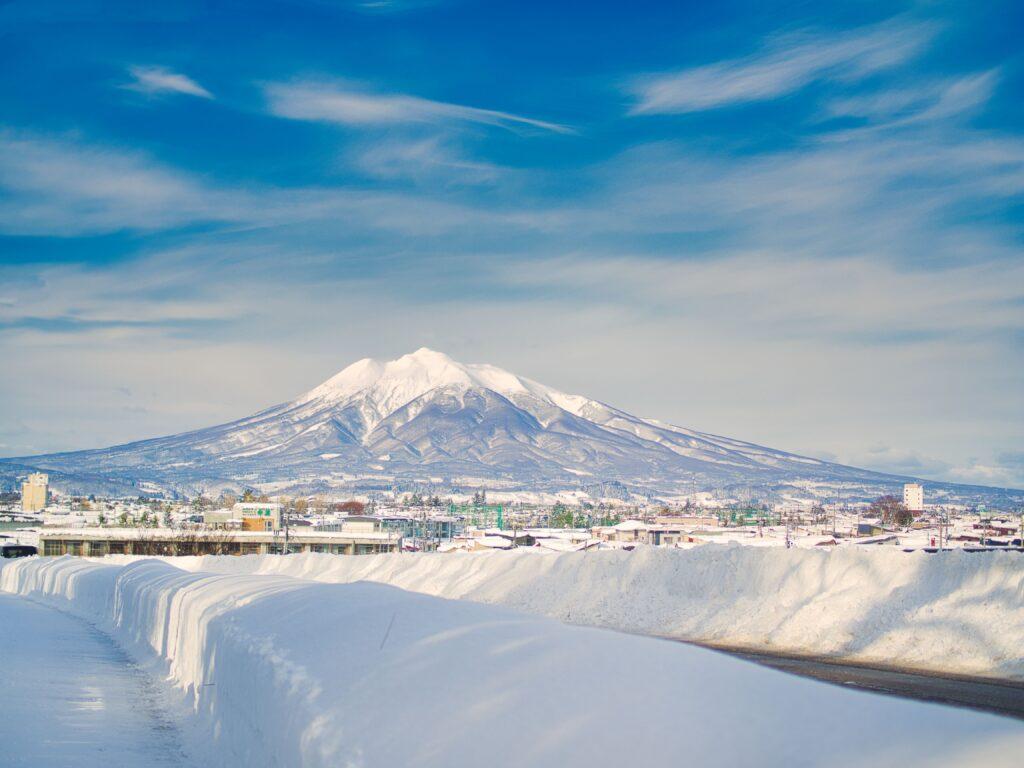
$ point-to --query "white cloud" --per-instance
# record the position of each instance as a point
(970, 470)
(430, 159)
(979, 472)
(786, 64)
(66, 186)
(346, 105)
(900, 194)
(921, 102)
(162, 80)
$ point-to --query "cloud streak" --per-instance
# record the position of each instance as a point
(346, 105)
(154, 80)
(920, 103)
(786, 64)
(426, 160)
(65, 186)
(68, 187)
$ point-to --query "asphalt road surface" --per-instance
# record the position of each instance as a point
(987, 695)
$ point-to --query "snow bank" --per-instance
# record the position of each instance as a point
(279, 671)
(950, 612)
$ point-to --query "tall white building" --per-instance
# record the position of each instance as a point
(913, 497)
(35, 492)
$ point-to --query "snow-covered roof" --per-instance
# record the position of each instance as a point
(564, 545)
(494, 542)
(630, 525)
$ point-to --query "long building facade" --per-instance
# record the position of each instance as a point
(96, 542)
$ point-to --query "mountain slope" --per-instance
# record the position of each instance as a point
(425, 418)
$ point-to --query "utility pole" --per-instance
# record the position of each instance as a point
(284, 511)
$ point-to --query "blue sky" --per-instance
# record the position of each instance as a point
(793, 223)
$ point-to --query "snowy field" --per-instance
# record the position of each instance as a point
(272, 670)
(948, 612)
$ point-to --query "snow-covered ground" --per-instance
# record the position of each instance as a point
(70, 697)
(948, 612)
(287, 672)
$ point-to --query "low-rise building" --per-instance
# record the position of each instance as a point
(95, 542)
(626, 532)
(688, 521)
(247, 515)
(259, 515)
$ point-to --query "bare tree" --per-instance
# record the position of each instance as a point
(352, 507)
(891, 511)
(185, 542)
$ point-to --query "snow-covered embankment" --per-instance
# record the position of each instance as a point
(953, 612)
(278, 671)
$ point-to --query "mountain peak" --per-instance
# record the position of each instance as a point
(390, 384)
(426, 353)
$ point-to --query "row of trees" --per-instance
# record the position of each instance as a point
(566, 517)
(148, 519)
(416, 500)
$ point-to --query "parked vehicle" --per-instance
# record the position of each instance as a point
(9, 551)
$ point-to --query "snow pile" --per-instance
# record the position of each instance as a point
(949, 612)
(278, 671)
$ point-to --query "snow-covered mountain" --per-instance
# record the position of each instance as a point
(427, 419)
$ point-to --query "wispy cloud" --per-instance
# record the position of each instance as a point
(65, 186)
(162, 80)
(999, 470)
(917, 103)
(430, 159)
(786, 64)
(341, 103)
(391, 6)
(848, 302)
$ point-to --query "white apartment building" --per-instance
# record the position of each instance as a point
(35, 492)
(913, 497)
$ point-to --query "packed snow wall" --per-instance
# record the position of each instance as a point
(947, 612)
(277, 671)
